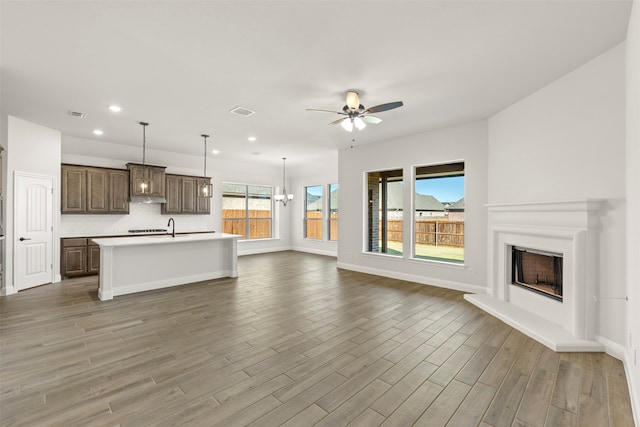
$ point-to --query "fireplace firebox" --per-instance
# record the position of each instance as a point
(537, 271)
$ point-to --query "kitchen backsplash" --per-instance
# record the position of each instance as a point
(141, 216)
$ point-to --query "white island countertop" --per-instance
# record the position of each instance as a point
(143, 263)
(157, 239)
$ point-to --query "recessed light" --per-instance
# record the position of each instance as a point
(215, 152)
(252, 138)
(115, 108)
(97, 132)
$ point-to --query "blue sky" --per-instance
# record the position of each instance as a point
(316, 191)
(448, 189)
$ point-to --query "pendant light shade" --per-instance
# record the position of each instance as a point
(146, 185)
(284, 197)
(205, 189)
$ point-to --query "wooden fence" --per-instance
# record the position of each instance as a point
(314, 225)
(260, 224)
(430, 232)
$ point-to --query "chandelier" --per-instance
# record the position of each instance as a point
(284, 197)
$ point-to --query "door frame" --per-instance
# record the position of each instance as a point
(54, 259)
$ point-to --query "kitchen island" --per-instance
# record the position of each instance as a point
(144, 263)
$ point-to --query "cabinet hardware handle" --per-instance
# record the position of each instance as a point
(22, 239)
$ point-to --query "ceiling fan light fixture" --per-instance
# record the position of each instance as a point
(347, 125)
(353, 101)
(359, 123)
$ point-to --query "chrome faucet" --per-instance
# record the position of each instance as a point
(173, 231)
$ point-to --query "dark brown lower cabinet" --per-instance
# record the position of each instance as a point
(80, 257)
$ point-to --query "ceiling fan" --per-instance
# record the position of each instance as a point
(355, 113)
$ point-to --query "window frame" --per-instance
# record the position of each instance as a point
(306, 211)
(443, 169)
(247, 219)
(330, 219)
(388, 175)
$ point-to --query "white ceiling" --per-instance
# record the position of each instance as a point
(182, 65)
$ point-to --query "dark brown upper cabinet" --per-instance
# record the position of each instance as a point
(156, 176)
(93, 190)
(182, 196)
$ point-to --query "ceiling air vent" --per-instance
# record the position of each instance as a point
(77, 114)
(241, 111)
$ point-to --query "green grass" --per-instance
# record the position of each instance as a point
(436, 253)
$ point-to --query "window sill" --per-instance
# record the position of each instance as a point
(382, 254)
(447, 264)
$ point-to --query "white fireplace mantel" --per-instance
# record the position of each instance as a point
(570, 228)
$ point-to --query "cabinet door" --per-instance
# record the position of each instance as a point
(74, 181)
(157, 182)
(139, 173)
(173, 196)
(97, 190)
(118, 191)
(93, 259)
(189, 190)
(203, 204)
(137, 176)
(74, 261)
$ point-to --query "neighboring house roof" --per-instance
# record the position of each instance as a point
(424, 202)
(457, 206)
(315, 202)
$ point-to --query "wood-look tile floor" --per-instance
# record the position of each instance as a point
(293, 341)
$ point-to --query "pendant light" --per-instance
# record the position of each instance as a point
(284, 197)
(204, 189)
(145, 185)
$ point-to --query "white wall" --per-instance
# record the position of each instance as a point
(566, 142)
(33, 149)
(97, 153)
(322, 172)
(466, 142)
(632, 360)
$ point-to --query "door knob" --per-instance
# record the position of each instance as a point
(22, 239)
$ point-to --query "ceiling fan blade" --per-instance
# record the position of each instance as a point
(335, 122)
(325, 111)
(384, 107)
(371, 119)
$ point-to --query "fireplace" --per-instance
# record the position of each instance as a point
(537, 271)
(543, 274)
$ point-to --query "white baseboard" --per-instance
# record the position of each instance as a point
(447, 284)
(262, 251)
(633, 382)
(612, 348)
(315, 251)
(8, 290)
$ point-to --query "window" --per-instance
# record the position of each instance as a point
(439, 212)
(246, 210)
(385, 212)
(313, 212)
(333, 211)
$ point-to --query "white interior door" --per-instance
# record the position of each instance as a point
(33, 218)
